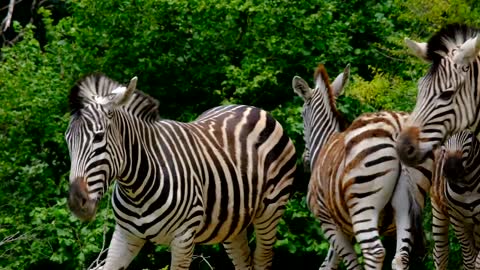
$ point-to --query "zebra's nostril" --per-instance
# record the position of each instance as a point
(410, 150)
(83, 202)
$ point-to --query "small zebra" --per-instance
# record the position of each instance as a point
(357, 178)
(456, 199)
(448, 95)
(178, 184)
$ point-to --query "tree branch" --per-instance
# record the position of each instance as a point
(8, 19)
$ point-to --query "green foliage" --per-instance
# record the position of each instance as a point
(191, 55)
(384, 92)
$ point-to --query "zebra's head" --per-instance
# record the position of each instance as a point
(89, 136)
(448, 99)
(458, 151)
(320, 115)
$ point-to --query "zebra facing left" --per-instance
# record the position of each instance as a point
(178, 184)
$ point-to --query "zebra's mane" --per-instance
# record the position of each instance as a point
(322, 71)
(97, 87)
(448, 38)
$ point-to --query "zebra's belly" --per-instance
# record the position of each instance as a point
(218, 230)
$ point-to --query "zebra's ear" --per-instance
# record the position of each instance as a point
(300, 86)
(340, 81)
(419, 49)
(467, 52)
(122, 94)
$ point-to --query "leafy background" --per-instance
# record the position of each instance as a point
(191, 55)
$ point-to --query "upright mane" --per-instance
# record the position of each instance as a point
(322, 71)
(96, 89)
(448, 38)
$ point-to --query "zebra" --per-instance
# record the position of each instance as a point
(455, 198)
(178, 184)
(448, 95)
(357, 178)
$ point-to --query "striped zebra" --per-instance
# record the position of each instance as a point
(448, 95)
(456, 199)
(357, 178)
(178, 184)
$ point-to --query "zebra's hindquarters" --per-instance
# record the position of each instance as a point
(264, 160)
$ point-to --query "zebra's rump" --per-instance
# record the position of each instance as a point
(261, 160)
(355, 167)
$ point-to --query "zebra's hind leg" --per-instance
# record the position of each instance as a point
(239, 251)
(342, 246)
(408, 219)
(332, 260)
(124, 246)
(365, 228)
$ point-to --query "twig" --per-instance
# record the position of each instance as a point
(8, 19)
(6, 6)
(97, 263)
(203, 259)
(12, 238)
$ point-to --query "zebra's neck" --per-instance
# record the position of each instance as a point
(321, 131)
(151, 151)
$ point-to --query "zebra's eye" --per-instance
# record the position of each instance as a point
(447, 95)
(98, 137)
(465, 68)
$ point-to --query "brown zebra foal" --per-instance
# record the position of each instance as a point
(356, 175)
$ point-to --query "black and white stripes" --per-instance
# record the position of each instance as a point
(456, 199)
(178, 183)
(358, 186)
(448, 96)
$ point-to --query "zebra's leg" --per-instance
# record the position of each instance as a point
(401, 205)
(464, 236)
(365, 227)
(265, 225)
(239, 251)
(340, 248)
(181, 248)
(332, 260)
(266, 235)
(477, 261)
(408, 218)
(440, 222)
(124, 246)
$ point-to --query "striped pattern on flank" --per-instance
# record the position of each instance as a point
(179, 184)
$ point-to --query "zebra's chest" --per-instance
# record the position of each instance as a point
(465, 206)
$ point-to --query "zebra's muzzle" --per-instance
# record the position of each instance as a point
(79, 201)
(453, 168)
(408, 148)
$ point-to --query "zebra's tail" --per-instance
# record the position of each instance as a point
(418, 233)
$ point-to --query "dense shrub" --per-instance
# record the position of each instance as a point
(191, 55)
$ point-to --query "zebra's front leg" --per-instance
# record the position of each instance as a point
(181, 248)
(124, 246)
(239, 251)
(340, 248)
(465, 237)
(440, 223)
